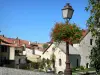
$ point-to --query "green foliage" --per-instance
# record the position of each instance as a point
(94, 8)
(48, 62)
(73, 69)
(43, 63)
(45, 46)
(35, 65)
(53, 57)
(95, 55)
(66, 32)
(93, 21)
(81, 68)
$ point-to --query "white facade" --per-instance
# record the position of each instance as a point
(12, 53)
(32, 55)
(30, 52)
(60, 55)
(79, 53)
(38, 52)
(85, 48)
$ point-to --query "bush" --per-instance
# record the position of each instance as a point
(73, 69)
(81, 68)
(35, 65)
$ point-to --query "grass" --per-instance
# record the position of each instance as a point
(85, 70)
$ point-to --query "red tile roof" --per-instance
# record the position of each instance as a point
(84, 32)
(6, 39)
(14, 42)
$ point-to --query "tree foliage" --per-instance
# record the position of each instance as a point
(43, 63)
(95, 55)
(93, 24)
(94, 9)
(45, 46)
(65, 32)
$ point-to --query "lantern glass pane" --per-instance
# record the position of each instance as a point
(64, 13)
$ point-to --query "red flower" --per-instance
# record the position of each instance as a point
(70, 42)
(71, 27)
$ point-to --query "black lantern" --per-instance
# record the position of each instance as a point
(67, 11)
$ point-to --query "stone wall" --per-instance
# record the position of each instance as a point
(11, 71)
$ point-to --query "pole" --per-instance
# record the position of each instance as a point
(68, 69)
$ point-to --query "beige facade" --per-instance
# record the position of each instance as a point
(60, 54)
(12, 53)
(32, 55)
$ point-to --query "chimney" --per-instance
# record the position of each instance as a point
(29, 42)
(3, 35)
(18, 41)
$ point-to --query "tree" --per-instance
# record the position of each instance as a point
(45, 46)
(93, 24)
(95, 55)
(94, 8)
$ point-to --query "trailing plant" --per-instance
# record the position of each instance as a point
(53, 57)
(48, 64)
(43, 63)
(66, 32)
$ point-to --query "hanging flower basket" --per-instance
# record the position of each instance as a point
(66, 32)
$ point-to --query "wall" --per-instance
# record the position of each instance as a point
(30, 56)
(28, 52)
(12, 53)
(4, 54)
(48, 53)
(60, 54)
(38, 52)
(85, 48)
(10, 71)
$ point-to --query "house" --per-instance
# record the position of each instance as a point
(85, 46)
(78, 53)
(60, 56)
(34, 52)
(15, 52)
(11, 52)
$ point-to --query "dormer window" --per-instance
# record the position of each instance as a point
(91, 40)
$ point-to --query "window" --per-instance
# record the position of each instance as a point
(33, 51)
(91, 41)
(87, 64)
(53, 49)
(77, 62)
(60, 62)
(3, 49)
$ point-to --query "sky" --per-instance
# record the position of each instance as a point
(33, 20)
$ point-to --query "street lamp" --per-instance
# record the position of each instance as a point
(67, 13)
